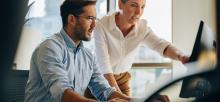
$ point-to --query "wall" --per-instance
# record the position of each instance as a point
(186, 17)
(30, 38)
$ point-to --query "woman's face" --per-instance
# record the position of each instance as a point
(132, 10)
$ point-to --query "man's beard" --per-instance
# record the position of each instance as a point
(80, 33)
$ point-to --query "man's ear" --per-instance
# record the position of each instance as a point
(71, 19)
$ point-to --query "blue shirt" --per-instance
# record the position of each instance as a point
(58, 64)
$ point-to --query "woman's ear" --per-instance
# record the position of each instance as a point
(120, 4)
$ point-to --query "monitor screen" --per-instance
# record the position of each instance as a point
(204, 54)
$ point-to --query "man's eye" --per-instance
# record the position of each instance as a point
(90, 17)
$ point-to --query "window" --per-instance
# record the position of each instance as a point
(42, 21)
(145, 81)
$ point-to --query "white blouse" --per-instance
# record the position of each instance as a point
(116, 53)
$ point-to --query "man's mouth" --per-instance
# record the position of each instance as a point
(90, 30)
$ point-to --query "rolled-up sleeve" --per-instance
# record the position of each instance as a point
(155, 42)
(52, 70)
(101, 49)
(98, 84)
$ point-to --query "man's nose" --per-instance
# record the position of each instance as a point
(93, 23)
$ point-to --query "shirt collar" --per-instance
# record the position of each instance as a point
(69, 42)
(112, 23)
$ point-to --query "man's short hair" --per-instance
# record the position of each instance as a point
(74, 7)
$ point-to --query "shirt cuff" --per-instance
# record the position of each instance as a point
(109, 92)
(162, 47)
(57, 90)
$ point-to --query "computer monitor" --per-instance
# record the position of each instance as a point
(205, 43)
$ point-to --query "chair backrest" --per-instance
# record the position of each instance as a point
(15, 86)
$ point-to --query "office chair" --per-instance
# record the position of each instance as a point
(15, 86)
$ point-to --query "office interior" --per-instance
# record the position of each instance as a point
(184, 22)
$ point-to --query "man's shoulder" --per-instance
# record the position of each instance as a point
(54, 40)
(51, 44)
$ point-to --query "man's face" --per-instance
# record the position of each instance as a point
(132, 10)
(85, 23)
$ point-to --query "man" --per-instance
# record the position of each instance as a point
(61, 68)
(117, 37)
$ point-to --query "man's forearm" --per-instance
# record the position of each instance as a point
(71, 96)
